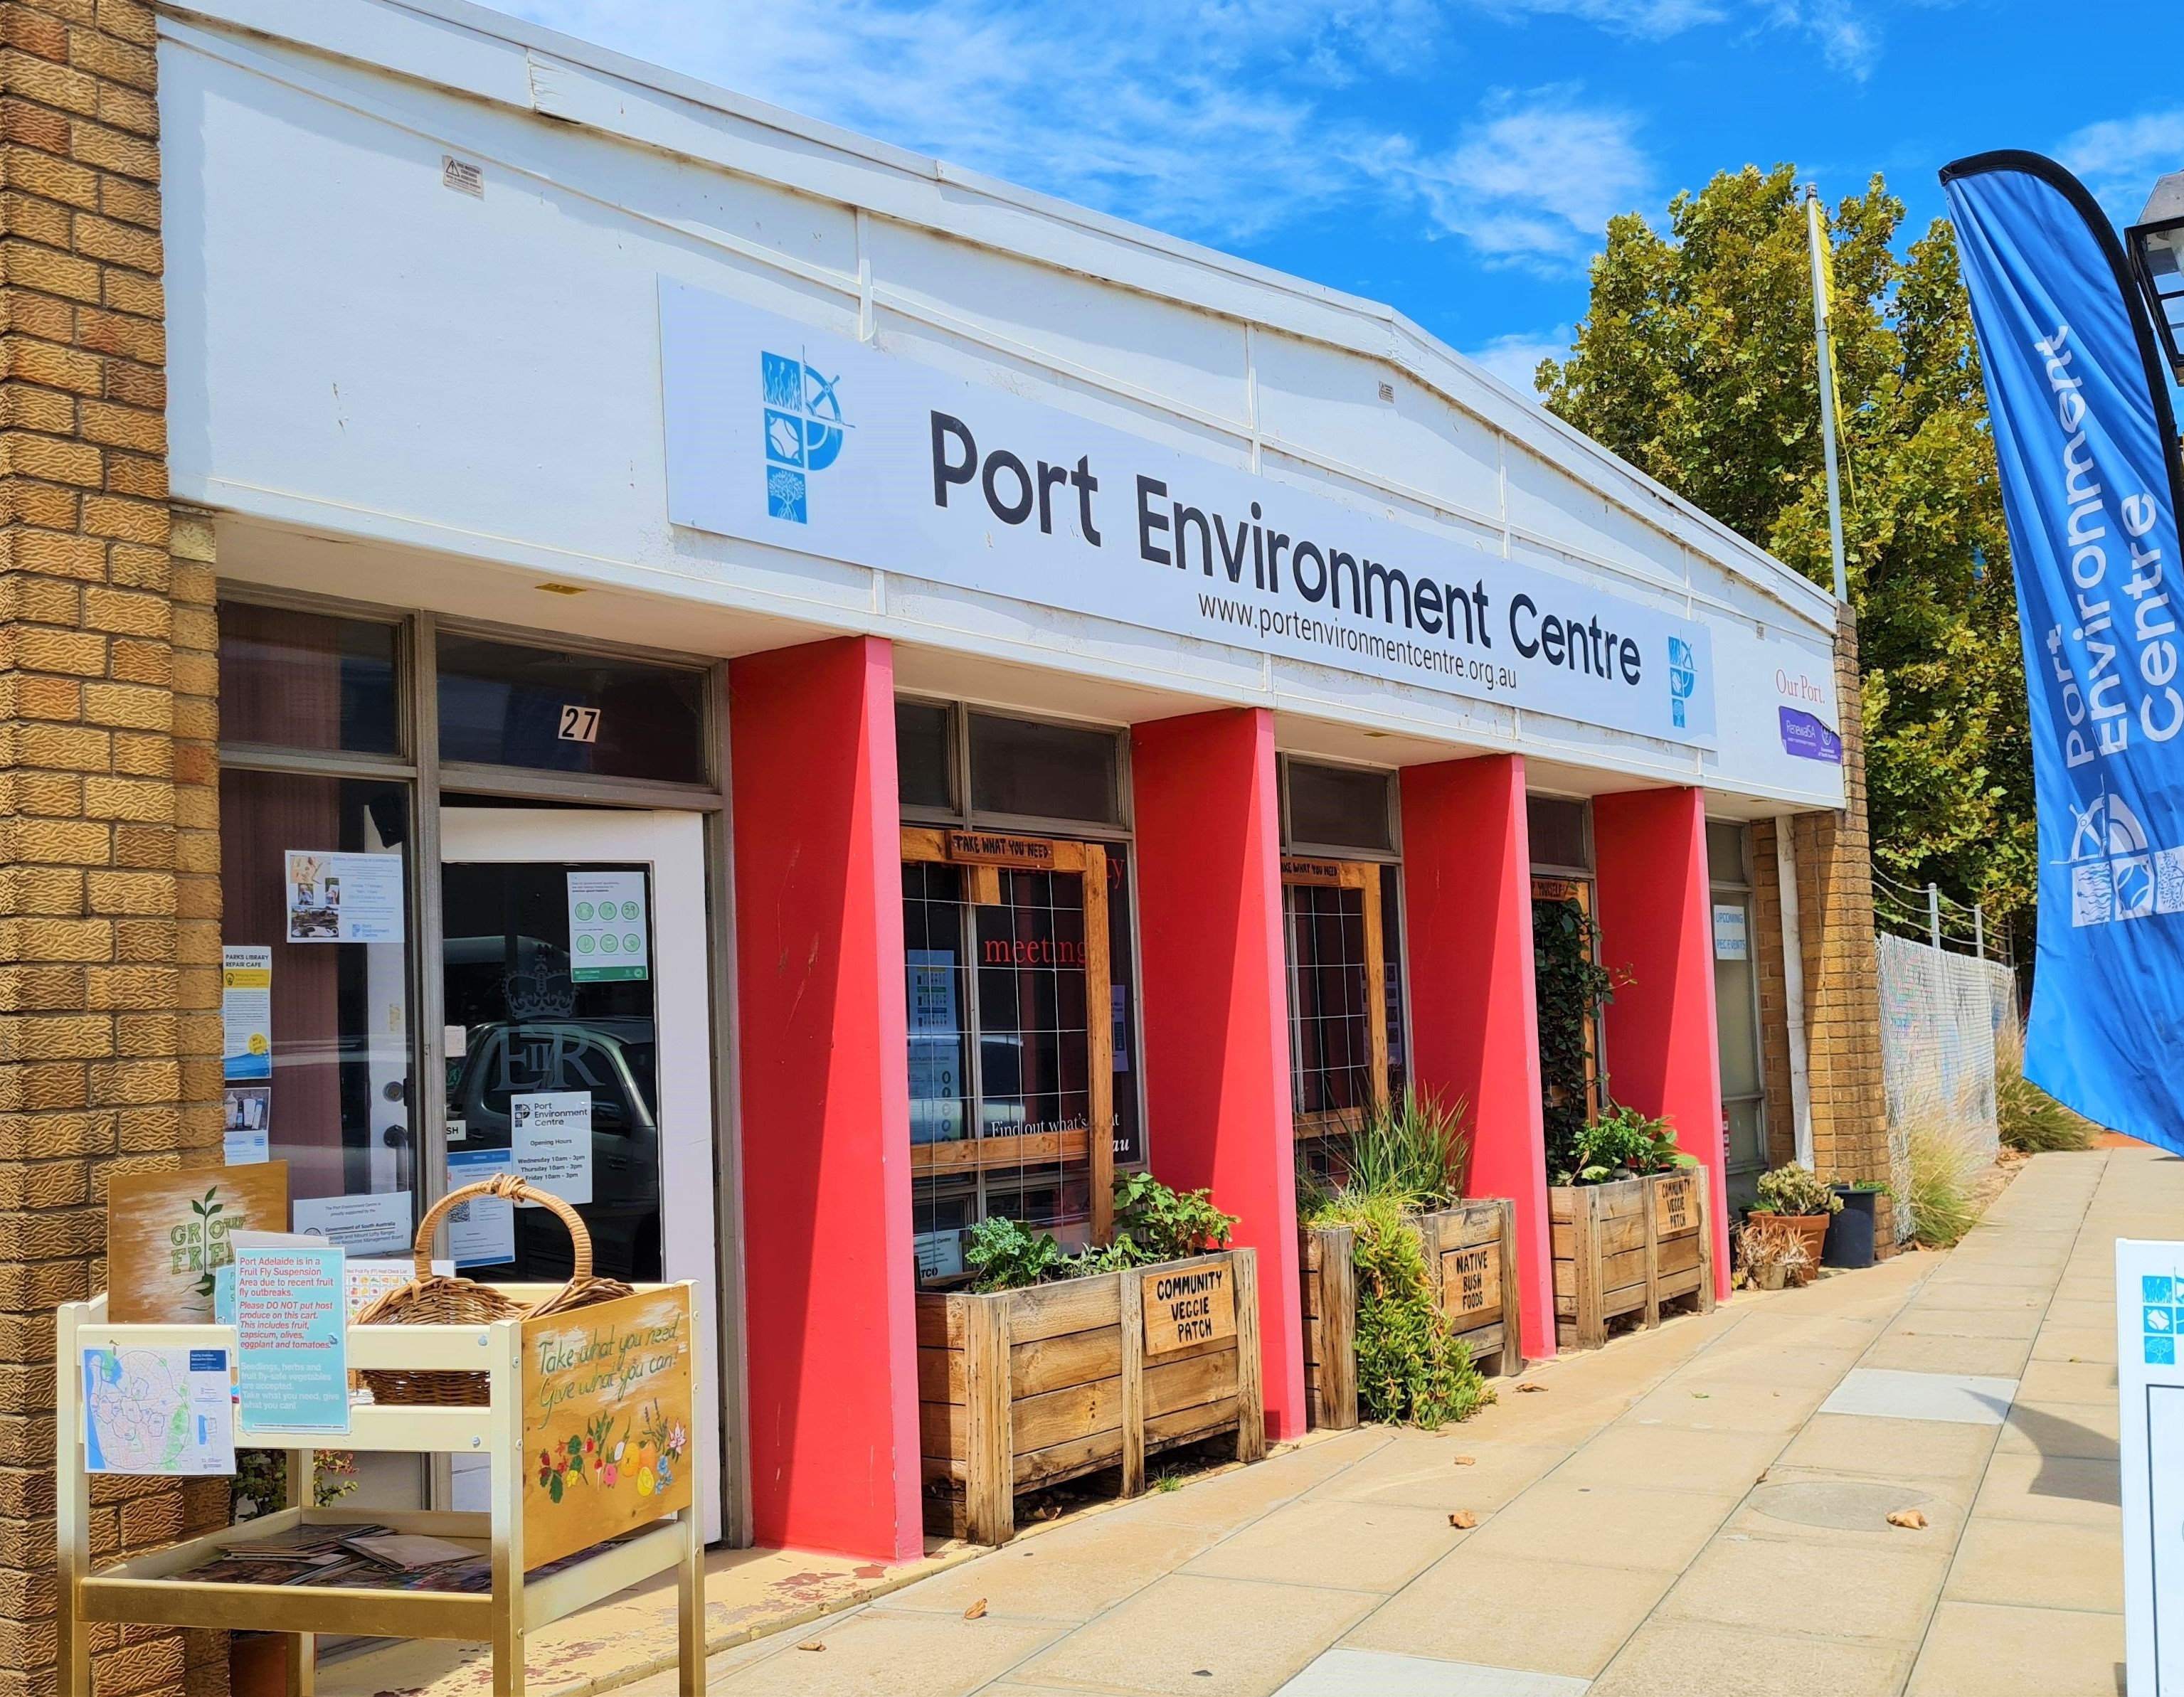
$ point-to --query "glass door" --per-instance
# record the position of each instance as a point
(578, 1043)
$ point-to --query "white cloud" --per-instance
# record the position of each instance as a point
(1655, 19)
(2121, 158)
(1515, 359)
(1220, 120)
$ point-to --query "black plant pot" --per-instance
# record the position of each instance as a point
(1850, 1233)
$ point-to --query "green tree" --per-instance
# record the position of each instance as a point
(1695, 363)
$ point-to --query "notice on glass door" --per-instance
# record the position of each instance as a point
(551, 1134)
(246, 1013)
(606, 926)
(344, 897)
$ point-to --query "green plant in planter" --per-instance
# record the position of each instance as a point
(1410, 1371)
(1792, 1189)
(1414, 1150)
(1622, 1143)
(1002, 1255)
(1158, 1224)
(1152, 1223)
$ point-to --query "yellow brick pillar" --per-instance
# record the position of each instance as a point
(109, 858)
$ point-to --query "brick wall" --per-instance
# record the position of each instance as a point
(1834, 861)
(109, 896)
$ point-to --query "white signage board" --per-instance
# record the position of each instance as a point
(607, 935)
(362, 1224)
(791, 437)
(1730, 940)
(2150, 1394)
(550, 1133)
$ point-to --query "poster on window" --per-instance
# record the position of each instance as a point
(936, 1048)
(551, 1134)
(606, 926)
(247, 1129)
(246, 1013)
(344, 897)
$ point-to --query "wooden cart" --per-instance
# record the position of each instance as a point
(629, 1535)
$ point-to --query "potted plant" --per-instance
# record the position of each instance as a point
(1408, 1290)
(1629, 1219)
(1852, 1233)
(1773, 1253)
(1802, 1199)
(1052, 1365)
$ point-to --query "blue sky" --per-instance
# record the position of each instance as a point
(1457, 159)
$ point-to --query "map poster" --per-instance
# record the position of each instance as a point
(607, 934)
(166, 1234)
(292, 1340)
(606, 1420)
(157, 1411)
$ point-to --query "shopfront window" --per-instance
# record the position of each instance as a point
(315, 969)
(546, 710)
(549, 1017)
(293, 680)
(1018, 977)
(1736, 1009)
(1341, 894)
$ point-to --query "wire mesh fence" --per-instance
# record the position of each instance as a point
(1942, 1015)
(1925, 914)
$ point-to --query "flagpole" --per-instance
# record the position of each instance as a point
(1817, 237)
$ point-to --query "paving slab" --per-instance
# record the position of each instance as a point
(1977, 1651)
(1555, 1616)
(1379, 1674)
(1968, 1399)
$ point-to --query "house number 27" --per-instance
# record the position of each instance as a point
(580, 725)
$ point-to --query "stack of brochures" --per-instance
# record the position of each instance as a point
(362, 1555)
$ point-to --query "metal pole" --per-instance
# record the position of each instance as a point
(1817, 239)
(1934, 914)
(1979, 931)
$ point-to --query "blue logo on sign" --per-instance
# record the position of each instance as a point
(1683, 680)
(803, 432)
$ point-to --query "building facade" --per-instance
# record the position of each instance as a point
(899, 697)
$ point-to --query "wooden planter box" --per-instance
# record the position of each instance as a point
(1627, 1248)
(1028, 1388)
(1472, 1248)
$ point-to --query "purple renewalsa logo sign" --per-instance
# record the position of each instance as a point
(1805, 737)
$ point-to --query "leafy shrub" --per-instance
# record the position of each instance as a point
(1409, 1369)
(1414, 1151)
(259, 1485)
(1152, 1223)
(1622, 1143)
(1002, 1255)
(1769, 1245)
(1163, 1224)
(1793, 1189)
(1944, 1170)
(2028, 1118)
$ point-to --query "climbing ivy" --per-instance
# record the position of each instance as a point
(1571, 987)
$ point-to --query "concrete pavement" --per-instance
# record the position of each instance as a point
(1700, 1509)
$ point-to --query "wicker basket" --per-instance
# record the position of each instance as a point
(431, 1298)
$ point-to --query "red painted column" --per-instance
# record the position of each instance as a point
(1474, 1022)
(829, 1328)
(1215, 1002)
(1656, 931)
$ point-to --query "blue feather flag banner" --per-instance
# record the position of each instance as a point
(2087, 447)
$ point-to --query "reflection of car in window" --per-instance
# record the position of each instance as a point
(612, 1060)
